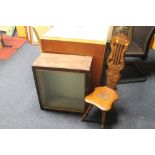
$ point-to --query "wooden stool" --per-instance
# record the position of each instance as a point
(103, 97)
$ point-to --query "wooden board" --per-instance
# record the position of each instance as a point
(63, 61)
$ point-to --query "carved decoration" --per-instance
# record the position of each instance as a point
(115, 61)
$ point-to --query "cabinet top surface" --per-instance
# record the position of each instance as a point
(85, 34)
(63, 61)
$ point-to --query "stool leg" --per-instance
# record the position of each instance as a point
(86, 113)
(103, 119)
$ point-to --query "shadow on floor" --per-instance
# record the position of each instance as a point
(130, 72)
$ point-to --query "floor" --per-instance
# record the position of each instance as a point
(19, 106)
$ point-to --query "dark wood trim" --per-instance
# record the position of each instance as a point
(86, 73)
(60, 69)
(62, 110)
(37, 86)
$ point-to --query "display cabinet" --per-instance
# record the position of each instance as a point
(62, 81)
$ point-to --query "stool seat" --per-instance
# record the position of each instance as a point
(102, 97)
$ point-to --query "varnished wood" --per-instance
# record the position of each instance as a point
(103, 97)
(115, 61)
(64, 61)
(78, 48)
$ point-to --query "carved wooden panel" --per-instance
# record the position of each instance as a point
(115, 61)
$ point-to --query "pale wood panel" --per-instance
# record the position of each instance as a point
(84, 34)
